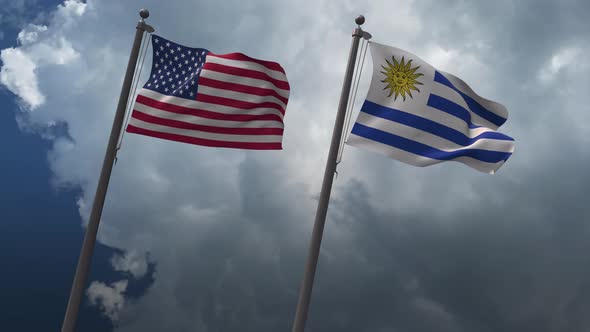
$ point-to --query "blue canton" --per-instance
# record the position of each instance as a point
(175, 68)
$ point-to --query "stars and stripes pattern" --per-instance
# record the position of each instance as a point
(219, 100)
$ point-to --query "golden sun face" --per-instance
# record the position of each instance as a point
(401, 78)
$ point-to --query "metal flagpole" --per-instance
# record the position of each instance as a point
(83, 267)
(320, 217)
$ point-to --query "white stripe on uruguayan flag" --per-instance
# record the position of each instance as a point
(441, 120)
(477, 139)
(418, 160)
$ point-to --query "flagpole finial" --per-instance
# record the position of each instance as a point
(360, 20)
(144, 13)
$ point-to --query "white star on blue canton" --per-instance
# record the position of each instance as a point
(169, 76)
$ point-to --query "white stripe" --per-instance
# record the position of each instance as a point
(416, 160)
(222, 93)
(452, 95)
(431, 140)
(205, 121)
(193, 104)
(277, 75)
(243, 81)
(490, 105)
(205, 135)
(446, 119)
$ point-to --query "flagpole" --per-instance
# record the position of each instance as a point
(320, 218)
(85, 258)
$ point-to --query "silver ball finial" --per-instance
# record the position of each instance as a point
(144, 13)
(360, 20)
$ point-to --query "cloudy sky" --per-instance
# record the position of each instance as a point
(201, 239)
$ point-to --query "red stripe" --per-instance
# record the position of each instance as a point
(245, 73)
(205, 113)
(245, 105)
(210, 129)
(241, 88)
(205, 142)
(243, 57)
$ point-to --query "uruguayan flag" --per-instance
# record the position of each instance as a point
(422, 116)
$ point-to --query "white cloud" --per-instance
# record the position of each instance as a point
(30, 34)
(131, 262)
(109, 299)
(71, 8)
(560, 60)
(38, 49)
(18, 75)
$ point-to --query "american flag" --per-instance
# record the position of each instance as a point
(219, 100)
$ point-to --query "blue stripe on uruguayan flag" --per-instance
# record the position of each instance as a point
(429, 126)
(425, 150)
(444, 121)
(451, 108)
(474, 106)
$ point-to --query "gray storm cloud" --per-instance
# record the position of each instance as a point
(405, 249)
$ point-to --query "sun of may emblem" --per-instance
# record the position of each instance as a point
(401, 78)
